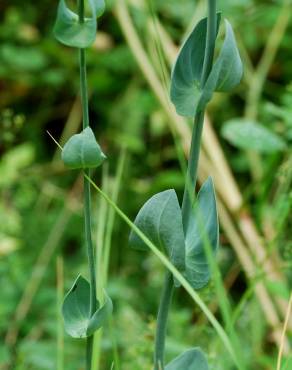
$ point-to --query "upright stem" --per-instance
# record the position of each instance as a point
(165, 302)
(189, 190)
(192, 170)
(210, 40)
(199, 117)
(87, 195)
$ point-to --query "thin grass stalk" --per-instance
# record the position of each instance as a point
(111, 213)
(102, 213)
(285, 327)
(106, 219)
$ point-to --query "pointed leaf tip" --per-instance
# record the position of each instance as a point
(82, 151)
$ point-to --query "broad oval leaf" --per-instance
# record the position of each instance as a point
(202, 228)
(160, 220)
(69, 31)
(82, 151)
(193, 359)
(249, 135)
(227, 71)
(76, 310)
(185, 89)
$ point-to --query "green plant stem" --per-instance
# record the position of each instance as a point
(191, 177)
(165, 302)
(87, 195)
(210, 40)
(189, 190)
(193, 162)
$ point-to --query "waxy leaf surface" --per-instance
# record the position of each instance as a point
(249, 135)
(193, 359)
(69, 31)
(76, 311)
(202, 231)
(160, 220)
(82, 151)
(227, 71)
(186, 92)
(185, 89)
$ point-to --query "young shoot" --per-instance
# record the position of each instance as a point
(182, 231)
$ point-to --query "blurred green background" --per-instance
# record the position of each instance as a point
(41, 231)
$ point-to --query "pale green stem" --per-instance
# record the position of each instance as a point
(60, 327)
(87, 195)
(190, 184)
(165, 302)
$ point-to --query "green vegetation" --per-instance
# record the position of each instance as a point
(82, 313)
(242, 317)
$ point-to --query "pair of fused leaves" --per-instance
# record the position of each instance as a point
(82, 151)
(160, 219)
(193, 359)
(187, 92)
(70, 31)
(76, 311)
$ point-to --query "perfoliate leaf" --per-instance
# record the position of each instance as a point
(227, 71)
(69, 31)
(76, 311)
(186, 92)
(82, 151)
(202, 228)
(193, 359)
(249, 135)
(185, 89)
(160, 220)
(100, 316)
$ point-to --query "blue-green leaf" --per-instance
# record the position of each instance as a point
(100, 316)
(76, 310)
(227, 71)
(82, 151)
(185, 90)
(202, 228)
(249, 135)
(69, 31)
(193, 359)
(160, 220)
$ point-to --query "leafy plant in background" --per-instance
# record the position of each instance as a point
(83, 313)
(187, 233)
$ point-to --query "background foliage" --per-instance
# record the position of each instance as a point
(41, 220)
